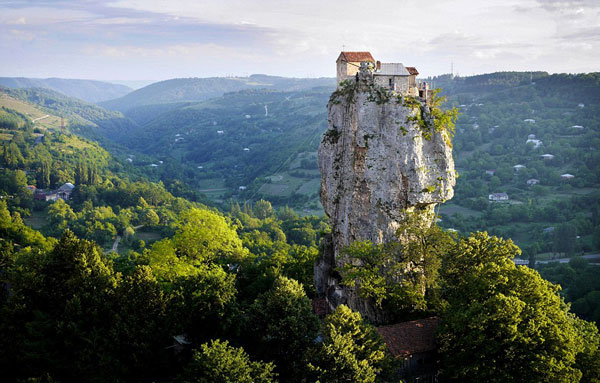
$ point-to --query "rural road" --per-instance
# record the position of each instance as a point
(211, 190)
(520, 261)
(40, 118)
(115, 246)
(566, 260)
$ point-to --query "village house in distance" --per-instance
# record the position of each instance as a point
(393, 76)
(63, 192)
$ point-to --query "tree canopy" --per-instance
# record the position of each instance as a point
(504, 323)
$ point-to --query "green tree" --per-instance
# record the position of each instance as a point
(140, 325)
(588, 361)
(204, 235)
(200, 304)
(43, 173)
(503, 323)
(218, 362)
(62, 308)
(150, 218)
(395, 276)
(19, 181)
(299, 266)
(128, 233)
(351, 351)
(13, 229)
(81, 174)
(286, 213)
(282, 326)
(11, 155)
(564, 239)
(263, 209)
(93, 177)
(60, 215)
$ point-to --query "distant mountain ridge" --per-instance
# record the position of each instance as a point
(181, 90)
(87, 90)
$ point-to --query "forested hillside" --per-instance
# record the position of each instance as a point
(82, 117)
(248, 143)
(127, 279)
(200, 89)
(257, 143)
(88, 90)
(535, 138)
(546, 123)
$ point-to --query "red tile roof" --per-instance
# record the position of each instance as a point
(412, 70)
(320, 306)
(409, 338)
(357, 56)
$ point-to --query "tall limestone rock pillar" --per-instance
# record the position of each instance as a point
(380, 158)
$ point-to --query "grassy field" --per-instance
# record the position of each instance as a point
(49, 122)
(309, 188)
(147, 236)
(451, 209)
(311, 211)
(213, 188)
(275, 190)
(295, 164)
(210, 184)
(284, 186)
(37, 219)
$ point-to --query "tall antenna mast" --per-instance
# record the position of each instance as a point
(62, 125)
(451, 68)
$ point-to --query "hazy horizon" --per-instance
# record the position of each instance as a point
(153, 40)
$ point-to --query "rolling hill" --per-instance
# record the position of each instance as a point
(200, 89)
(264, 141)
(83, 117)
(87, 90)
(261, 142)
(245, 143)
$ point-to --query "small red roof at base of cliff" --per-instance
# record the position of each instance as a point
(320, 306)
(409, 338)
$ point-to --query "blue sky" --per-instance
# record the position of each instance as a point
(156, 39)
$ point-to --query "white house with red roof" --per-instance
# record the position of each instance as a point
(348, 64)
(393, 76)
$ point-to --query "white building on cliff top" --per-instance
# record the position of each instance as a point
(394, 76)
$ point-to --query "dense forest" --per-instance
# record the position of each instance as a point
(144, 274)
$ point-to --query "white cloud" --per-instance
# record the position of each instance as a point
(21, 35)
(121, 21)
(41, 15)
(187, 51)
(19, 21)
(291, 37)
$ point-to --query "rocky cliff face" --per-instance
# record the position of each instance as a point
(380, 159)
